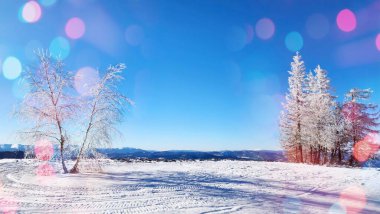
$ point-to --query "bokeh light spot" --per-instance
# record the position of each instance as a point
(31, 12)
(353, 199)
(85, 80)
(47, 3)
(317, 26)
(346, 20)
(236, 38)
(20, 88)
(265, 28)
(377, 42)
(8, 205)
(366, 148)
(43, 150)
(294, 41)
(75, 28)
(134, 35)
(59, 48)
(12, 68)
(45, 170)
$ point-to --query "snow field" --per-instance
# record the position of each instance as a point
(190, 187)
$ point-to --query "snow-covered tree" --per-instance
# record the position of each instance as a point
(314, 128)
(325, 111)
(102, 109)
(341, 135)
(291, 117)
(308, 118)
(318, 116)
(59, 115)
(49, 105)
(362, 117)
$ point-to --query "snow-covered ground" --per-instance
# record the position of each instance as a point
(191, 187)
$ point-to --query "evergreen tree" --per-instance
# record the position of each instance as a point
(309, 128)
(314, 128)
(341, 135)
(362, 117)
(290, 121)
(324, 106)
(318, 116)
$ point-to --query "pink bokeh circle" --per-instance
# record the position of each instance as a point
(43, 150)
(31, 12)
(353, 199)
(377, 42)
(75, 28)
(45, 170)
(8, 205)
(366, 148)
(346, 20)
(265, 28)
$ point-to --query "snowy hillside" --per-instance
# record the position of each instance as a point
(191, 187)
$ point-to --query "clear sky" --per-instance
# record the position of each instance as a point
(204, 74)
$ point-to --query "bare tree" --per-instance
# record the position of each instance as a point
(102, 108)
(49, 105)
(57, 114)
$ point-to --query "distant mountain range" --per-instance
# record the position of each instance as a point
(133, 153)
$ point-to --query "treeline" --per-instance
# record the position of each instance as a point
(315, 128)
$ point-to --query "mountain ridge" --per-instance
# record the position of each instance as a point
(136, 153)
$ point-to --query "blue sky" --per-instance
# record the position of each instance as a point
(205, 75)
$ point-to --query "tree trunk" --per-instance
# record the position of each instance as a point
(352, 158)
(316, 156)
(301, 157)
(296, 154)
(75, 167)
(339, 155)
(63, 160)
(351, 162)
(332, 156)
(311, 155)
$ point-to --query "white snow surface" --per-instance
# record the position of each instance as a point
(189, 187)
